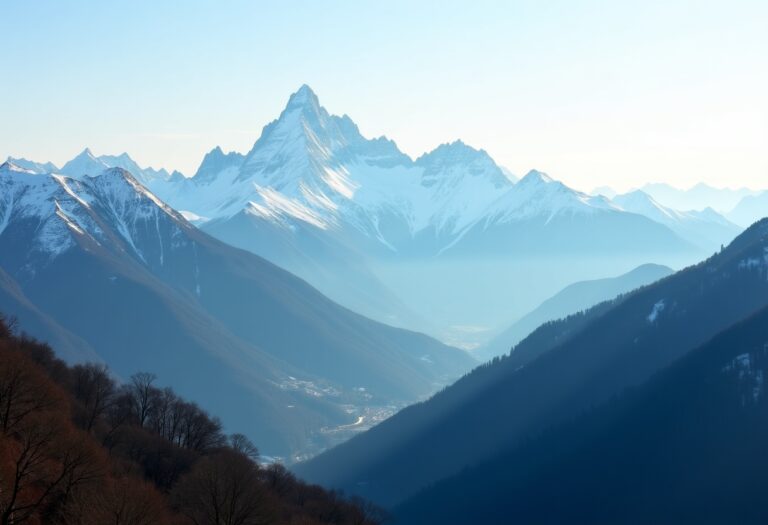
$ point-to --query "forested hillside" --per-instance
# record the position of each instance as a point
(77, 447)
(686, 447)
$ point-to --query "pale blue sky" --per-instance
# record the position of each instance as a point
(593, 92)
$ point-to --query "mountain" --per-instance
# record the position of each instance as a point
(706, 229)
(86, 164)
(144, 175)
(114, 265)
(685, 447)
(543, 215)
(37, 167)
(559, 371)
(314, 196)
(697, 197)
(749, 209)
(313, 169)
(217, 161)
(571, 300)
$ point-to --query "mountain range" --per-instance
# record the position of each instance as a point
(101, 260)
(381, 233)
(288, 290)
(697, 197)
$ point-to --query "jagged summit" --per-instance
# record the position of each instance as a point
(216, 161)
(10, 167)
(456, 150)
(302, 98)
(536, 177)
(454, 164)
(37, 167)
(85, 164)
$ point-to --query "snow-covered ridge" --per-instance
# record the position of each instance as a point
(538, 195)
(86, 164)
(312, 169)
(57, 209)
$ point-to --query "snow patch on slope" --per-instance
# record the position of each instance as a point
(656, 310)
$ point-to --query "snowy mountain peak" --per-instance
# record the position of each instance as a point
(456, 150)
(86, 156)
(456, 160)
(638, 195)
(9, 167)
(304, 97)
(535, 177)
(84, 165)
(216, 161)
(37, 167)
(638, 201)
(704, 228)
(121, 181)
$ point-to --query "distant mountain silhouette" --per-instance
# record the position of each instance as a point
(570, 300)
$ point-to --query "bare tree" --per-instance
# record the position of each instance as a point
(23, 391)
(224, 489)
(143, 395)
(240, 443)
(123, 501)
(95, 389)
(45, 462)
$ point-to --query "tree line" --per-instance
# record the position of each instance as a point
(79, 448)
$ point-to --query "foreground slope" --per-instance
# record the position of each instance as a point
(560, 370)
(686, 447)
(146, 290)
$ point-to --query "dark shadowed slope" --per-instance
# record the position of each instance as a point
(560, 370)
(686, 447)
